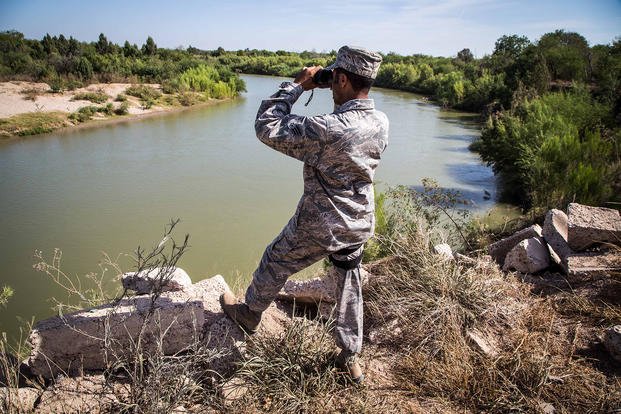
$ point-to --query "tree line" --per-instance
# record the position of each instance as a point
(551, 107)
(66, 63)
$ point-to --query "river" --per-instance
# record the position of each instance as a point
(113, 188)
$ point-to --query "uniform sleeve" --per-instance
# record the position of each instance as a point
(299, 137)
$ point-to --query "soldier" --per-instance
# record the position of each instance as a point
(335, 215)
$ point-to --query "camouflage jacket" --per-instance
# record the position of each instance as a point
(340, 152)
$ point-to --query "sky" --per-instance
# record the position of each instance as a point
(432, 27)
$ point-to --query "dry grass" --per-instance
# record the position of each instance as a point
(436, 303)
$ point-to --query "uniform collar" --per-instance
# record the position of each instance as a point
(354, 104)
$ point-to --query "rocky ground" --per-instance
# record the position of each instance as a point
(548, 338)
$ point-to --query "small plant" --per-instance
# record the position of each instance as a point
(31, 94)
(121, 98)
(187, 99)
(5, 295)
(293, 372)
(83, 114)
(57, 85)
(123, 109)
(143, 92)
(95, 97)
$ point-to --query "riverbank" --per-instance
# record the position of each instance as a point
(30, 108)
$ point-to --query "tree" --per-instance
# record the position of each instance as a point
(149, 48)
(102, 45)
(567, 55)
(130, 50)
(507, 50)
(465, 55)
(84, 68)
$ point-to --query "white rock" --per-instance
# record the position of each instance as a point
(483, 344)
(171, 279)
(501, 248)
(528, 256)
(612, 341)
(444, 250)
(233, 390)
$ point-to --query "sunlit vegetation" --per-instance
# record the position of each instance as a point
(552, 106)
(32, 123)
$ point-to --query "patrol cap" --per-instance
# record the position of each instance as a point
(357, 60)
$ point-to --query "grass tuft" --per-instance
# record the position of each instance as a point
(32, 123)
(95, 97)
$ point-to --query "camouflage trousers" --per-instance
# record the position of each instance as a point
(291, 252)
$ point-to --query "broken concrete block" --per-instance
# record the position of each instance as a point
(92, 338)
(499, 250)
(612, 341)
(168, 279)
(528, 256)
(587, 265)
(555, 234)
(18, 400)
(315, 290)
(220, 334)
(443, 250)
(588, 225)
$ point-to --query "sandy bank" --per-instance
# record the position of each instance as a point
(17, 97)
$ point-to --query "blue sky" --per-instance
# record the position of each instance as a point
(435, 27)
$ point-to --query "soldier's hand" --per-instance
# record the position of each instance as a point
(305, 77)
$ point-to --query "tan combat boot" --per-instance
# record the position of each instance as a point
(348, 362)
(241, 314)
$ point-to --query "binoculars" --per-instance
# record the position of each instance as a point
(323, 77)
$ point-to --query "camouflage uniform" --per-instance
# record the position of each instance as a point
(340, 152)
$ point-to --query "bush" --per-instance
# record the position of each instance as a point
(120, 98)
(187, 98)
(143, 92)
(123, 109)
(215, 83)
(550, 150)
(95, 97)
(56, 85)
(86, 112)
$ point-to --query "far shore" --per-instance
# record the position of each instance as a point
(20, 99)
(120, 119)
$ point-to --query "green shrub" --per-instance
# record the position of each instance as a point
(5, 293)
(143, 92)
(550, 150)
(123, 109)
(95, 97)
(56, 85)
(108, 109)
(187, 98)
(120, 98)
(215, 82)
